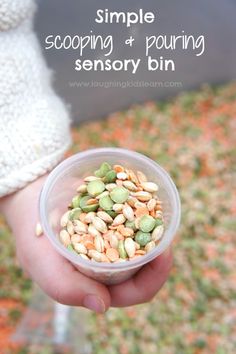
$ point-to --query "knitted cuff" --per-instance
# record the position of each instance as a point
(34, 122)
(20, 178)
(14, 12)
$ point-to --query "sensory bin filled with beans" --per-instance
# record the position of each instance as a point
(115, 216)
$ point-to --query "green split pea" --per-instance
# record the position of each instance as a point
(142, 238)
(87, 208)
(106, 203)
(119, 195)
(106, 173)
(104, 168)
(95, 188)
(147, 223)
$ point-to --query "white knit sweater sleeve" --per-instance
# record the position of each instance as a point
(34, 123)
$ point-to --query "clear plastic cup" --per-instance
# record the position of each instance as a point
(60, 187)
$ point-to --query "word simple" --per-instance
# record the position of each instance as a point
(107, 65)
(129, 18)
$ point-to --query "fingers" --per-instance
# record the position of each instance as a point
(60, 280)
(144, 285)
(54, 274)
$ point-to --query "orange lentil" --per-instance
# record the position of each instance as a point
(87, 237)
(140, 188)
(107, 235)
(82, 217)
(141, 211)
(112, 254)
(120, 228)
(131, 202)
(153, 213)
(127, 232)
(119, 236)
(141, 252)
(118, 168)
(91, 201)
(113, 227)
(89, 245)
(135, 256)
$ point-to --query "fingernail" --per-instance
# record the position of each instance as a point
(94, 303)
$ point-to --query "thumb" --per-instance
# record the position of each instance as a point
(61, 281)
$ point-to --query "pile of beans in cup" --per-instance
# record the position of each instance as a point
(116, 216)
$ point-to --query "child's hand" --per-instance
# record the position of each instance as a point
(57, 276)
